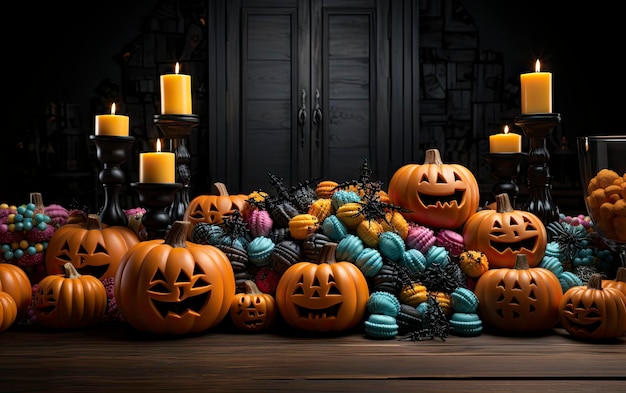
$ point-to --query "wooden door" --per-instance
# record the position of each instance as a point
(306, 90)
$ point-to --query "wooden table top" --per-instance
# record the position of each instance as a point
(116, 358)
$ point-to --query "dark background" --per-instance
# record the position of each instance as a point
(63, 53)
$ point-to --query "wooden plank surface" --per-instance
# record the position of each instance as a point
(117, 358)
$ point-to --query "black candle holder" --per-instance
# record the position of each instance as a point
(156, 197)
(506, 168)
(538, 128)
(177, 129)
(112, 151)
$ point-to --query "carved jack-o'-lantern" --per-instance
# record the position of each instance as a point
(592, 312)
(253, 310)
(504, 233)
(92, 248)
(171, 286)
(324, 296)
(213, 208)
(70, 300)
(522, 299)
(436, 194)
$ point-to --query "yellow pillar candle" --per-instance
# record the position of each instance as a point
(157, 167)
(176, 93)
(505, 142)
(112, 125)
(536, 88)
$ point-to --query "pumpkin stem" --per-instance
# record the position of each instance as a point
(70, 270)
(177, 235)
(595, 281)
(221, 188)
(93, 222)
(432, 156)
(327, 253)
(521, 261)
(252, 288)
(503, 203)
(621, 274)
(37, 199)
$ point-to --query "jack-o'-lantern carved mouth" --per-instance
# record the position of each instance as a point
(454, 199)
(96, 271)
(189, 294)
(192, 304)
(322, 313)
(527, 244)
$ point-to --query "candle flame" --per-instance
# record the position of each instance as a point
(177, 68)
(537, 68)
(586, 144)
(158, 145)
(506, 129)
(113, 108)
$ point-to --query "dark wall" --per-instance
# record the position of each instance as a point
(72, 55)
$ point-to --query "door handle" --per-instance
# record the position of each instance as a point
(302, 115)
(317, 116)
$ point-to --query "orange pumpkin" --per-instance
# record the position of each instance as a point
(437, 194)
(213, 208)
(521, 299)
(253, 310)
(504, 233)
(619, 282)
(8, 311)
(324, 296)
(93, 248)
(172, 286)
(70, 300)
(15, 282)
(593, 312)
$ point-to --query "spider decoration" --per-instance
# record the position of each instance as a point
(571, 239)
(235, 229)
(365, 173)
(434, 323)
(439, 277)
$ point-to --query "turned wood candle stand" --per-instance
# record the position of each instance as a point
(538, 128)
(112, 151)
(506, 168)
(156, 197)
(177, 129)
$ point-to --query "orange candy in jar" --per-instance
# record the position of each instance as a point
(607, 202)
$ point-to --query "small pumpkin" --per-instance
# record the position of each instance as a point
(592, 312)
(173, 286)
(8, 311)
(212, 209)
(519, 299)
(504, 233)
(93, 248)
(437, 194)
(473, 263)
(619, 282)
(15, 282)
(70, 300)
(323, 296)
(253, 310)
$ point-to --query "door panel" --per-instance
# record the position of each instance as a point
(287, 48)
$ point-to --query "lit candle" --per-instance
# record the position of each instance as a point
(112, 125)
(176, 93)
(157, 167)
(505, 142)
(536, 91)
